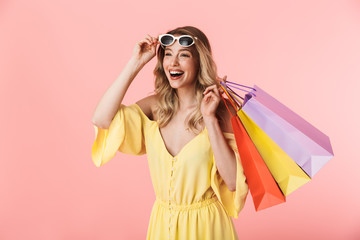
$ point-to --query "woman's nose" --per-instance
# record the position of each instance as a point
(174, 61)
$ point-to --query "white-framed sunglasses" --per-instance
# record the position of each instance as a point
(168, 40)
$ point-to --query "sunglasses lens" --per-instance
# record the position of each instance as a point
(166, 40)
(186, 41)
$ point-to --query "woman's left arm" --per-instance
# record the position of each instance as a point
(224, 155)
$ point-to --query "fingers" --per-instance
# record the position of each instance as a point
(221, 89)
(149, 40)
(224, 79)
(214, 89)
(221, 80)
(210, 95)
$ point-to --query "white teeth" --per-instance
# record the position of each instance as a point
(174, 72)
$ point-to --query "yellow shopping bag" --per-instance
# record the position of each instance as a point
(285, 171)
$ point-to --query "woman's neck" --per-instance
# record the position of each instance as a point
(187, 98)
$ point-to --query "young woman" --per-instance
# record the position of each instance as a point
(185, 130)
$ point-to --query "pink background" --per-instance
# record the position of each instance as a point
(57, 58)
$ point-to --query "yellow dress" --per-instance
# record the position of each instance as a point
(192, 200)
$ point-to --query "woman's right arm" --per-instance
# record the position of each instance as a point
(110, 102)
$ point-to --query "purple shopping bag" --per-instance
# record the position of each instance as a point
(305, 144)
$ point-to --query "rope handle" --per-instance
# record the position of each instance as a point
(234, 95)
(227, 106)
(231, 99)
(240, 85)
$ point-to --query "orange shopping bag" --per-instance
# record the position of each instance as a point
(263, 187)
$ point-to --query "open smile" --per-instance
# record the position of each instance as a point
(176, 74)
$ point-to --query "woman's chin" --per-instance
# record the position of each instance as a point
(174, 85)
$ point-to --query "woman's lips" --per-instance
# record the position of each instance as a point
(176, 78)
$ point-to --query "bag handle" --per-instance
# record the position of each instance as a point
(227, 106)
(231, 100)
(231, 83)
(234, 95)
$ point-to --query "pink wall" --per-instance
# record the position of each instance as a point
(57, 58)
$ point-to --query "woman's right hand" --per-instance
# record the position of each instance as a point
(145, 49)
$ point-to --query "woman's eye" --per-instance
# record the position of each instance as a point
(167, 54)
(185, 55)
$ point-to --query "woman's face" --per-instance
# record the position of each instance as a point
(180, 65)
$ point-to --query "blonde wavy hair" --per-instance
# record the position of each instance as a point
(167, 99)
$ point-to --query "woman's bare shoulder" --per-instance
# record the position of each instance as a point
(147, 105)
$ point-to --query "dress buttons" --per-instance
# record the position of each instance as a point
(171, 197)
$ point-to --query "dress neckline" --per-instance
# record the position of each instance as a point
(183, 147)
(226, 134)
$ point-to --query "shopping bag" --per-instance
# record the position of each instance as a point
(305, 144)
(286, 172)
(264, 190)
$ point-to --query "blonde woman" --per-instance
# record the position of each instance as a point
(185, 130)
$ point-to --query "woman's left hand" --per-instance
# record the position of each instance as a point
(211, 99)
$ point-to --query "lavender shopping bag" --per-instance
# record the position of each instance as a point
(305, 144)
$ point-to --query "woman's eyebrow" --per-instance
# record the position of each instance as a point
(183, 49)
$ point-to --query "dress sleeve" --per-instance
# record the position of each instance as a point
(232, 201)
(125, 134)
